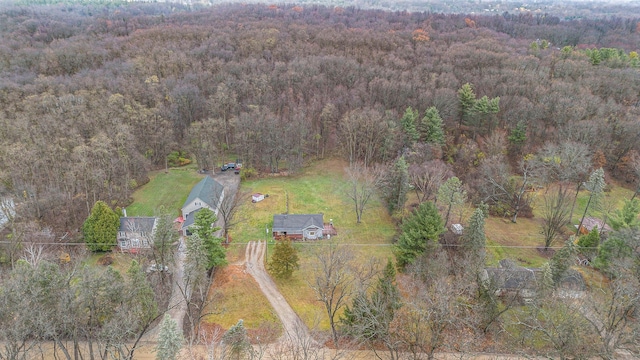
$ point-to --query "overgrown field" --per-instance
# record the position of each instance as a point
(519, 241)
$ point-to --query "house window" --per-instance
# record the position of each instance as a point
(312, 233)
(135, 243)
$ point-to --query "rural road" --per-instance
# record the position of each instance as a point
(295, 330)
(177, 305)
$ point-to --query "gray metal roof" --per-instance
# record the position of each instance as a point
(296, 223)
(207, 190)
(138, 224)
(190, 218)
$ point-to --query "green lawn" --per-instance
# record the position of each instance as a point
(120, 261)
(610, 200)
(318, 189)
(165, 189)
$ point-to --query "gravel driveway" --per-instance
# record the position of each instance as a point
(295, 330)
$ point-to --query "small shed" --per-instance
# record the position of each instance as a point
(257, 197)
(457, 229)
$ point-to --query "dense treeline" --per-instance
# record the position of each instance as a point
(94, 97)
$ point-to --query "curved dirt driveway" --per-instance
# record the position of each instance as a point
(294, 329)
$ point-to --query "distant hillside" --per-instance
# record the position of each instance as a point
(570, 9)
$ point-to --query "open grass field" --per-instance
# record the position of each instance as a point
(164, 189)
(317, 189)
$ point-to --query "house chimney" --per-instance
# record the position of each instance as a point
(124, 212)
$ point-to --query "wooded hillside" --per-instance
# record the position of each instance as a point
(94, 97)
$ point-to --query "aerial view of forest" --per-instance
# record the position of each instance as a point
(475, 167)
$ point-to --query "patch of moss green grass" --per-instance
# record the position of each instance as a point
(610, 200)
(518, 242)
(165, 189)
(121, 261)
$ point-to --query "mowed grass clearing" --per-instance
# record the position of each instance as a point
(319, 188)
(167, 190)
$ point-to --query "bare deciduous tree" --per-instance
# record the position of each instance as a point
(431, 307)
(612, 314)
(555, 327)
(229, 213)
(427, 177)
(362, 183)
(555, 214)
(332, 280)
(500, 187)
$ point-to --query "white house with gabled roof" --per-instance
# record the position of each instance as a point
(208, 194)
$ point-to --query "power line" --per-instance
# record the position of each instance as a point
(321, 243)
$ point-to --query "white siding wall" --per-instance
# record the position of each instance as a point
(312, 233)
(195, 205)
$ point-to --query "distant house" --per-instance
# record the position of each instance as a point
(136, 233)
(510, 279)
(300, 227)
(209, 194)
(257, 197)
(590, 223)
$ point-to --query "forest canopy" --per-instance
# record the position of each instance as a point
(93, 97)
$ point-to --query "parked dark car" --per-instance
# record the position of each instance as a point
(228, 166)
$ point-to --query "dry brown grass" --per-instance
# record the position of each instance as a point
(235, 295)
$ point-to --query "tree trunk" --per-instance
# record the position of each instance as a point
(583, 215)
(575, 198)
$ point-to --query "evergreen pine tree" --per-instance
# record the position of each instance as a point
(203, 227)
(284, 259)
(235, 340)
(408, 123)
(100, 230)
(595, 186)
(431, 127)
(475, 238)
(562, 260)
(396, 186)
(169, 339)
(588, 244)
(419, 233)
(627, 217)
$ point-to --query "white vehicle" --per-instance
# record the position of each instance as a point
(155, 267)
